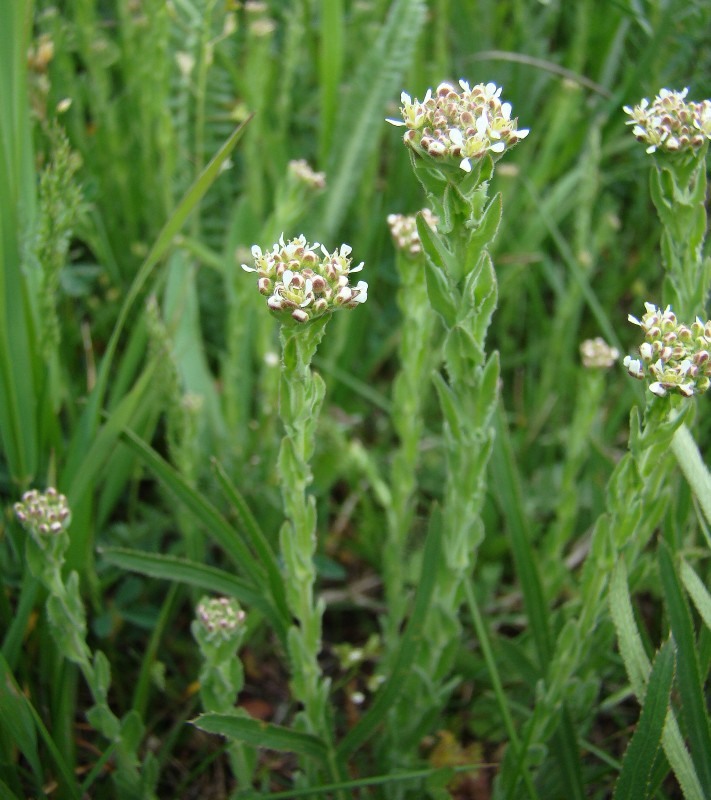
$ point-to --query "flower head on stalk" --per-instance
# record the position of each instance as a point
(671, 123)
(674, 355)
(459, 126)
(304, 281)
(404, 230)
(221, 618)
(598, 354)
(46, 517)
(43, 513)
(302, 172)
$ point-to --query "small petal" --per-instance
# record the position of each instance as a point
(455, 136)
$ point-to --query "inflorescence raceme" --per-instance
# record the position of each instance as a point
(671, 123)
(304, 281)
(404, 230)
(675, 356)
(221, 617)
(598, 354)
(460, 127)
(43, 513)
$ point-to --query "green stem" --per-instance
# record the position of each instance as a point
(301, 394)
(415, 365)
(485, 645)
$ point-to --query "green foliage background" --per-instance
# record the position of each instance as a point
(122, 301)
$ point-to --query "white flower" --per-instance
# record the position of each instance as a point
(634, 367)
(361, 292)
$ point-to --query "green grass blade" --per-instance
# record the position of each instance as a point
(331, 59)
(638, 763)
(638, 667)
(695, 470)
(331, 789)
(629, 641)
(161, 246)
(172, 568)
(376, 82)
(262, 734)
(203, 511)
(508, 484)
(689, 673)
(18, 390)
(254, 534)
(697, 591)
(23, 723)
(409, 645)
(17, 629)
(16, 723)
(6, 792)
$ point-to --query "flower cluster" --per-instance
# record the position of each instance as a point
(461, 127)
(304, 282)
(671, 123)
(43, 513)
(404, 230)
(598, 354)
(674, 355)
(303, 173)
(220, 617)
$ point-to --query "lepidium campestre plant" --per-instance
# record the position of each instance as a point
(455, 135)
(677, 132)
(639, 497)
(417, 358)
(304, 284)
(219, 630)
(251, 330)
(46, 517)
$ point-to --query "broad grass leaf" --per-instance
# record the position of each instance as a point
(634, 782)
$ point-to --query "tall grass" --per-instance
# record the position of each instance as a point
(139, 375)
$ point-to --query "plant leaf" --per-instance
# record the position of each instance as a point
(262, 734)
(212, 579)
(689, 673)
(638, 763)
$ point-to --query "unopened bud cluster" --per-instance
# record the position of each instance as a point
(671, 123)
(45, 513)
(404, 230)
(674, 355)
(304, 281)
(221, 617)
(598, 354)
(303, 173)
(460, 127)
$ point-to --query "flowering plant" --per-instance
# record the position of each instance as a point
(302, 283)
(459, 127)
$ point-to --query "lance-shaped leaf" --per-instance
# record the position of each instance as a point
(440, 288)
(634, 782)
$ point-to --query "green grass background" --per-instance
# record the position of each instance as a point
(122, 295)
